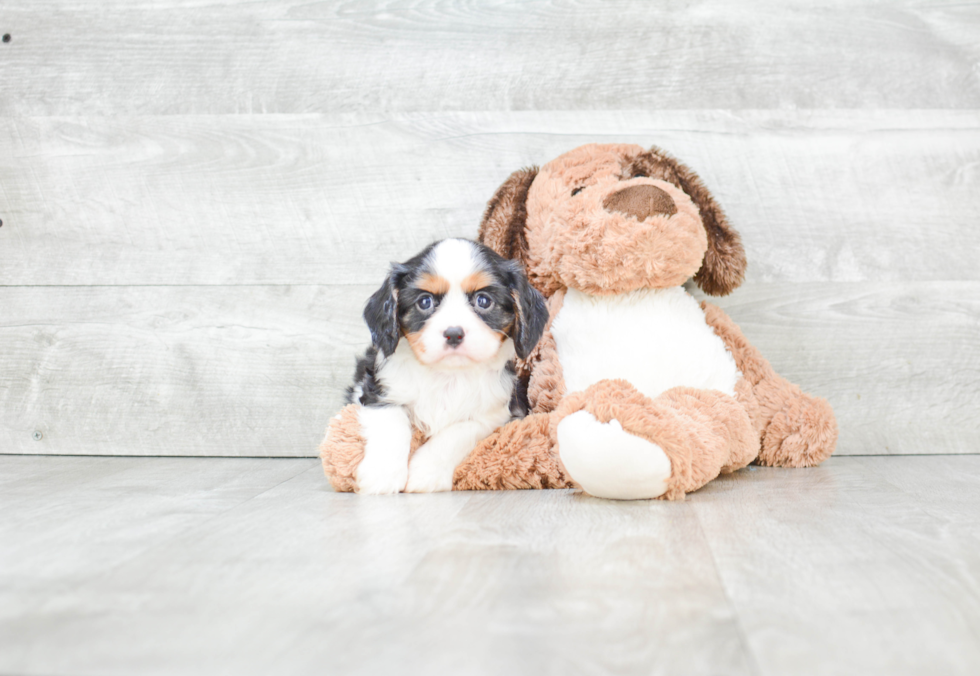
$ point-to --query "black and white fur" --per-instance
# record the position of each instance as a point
(446, 327)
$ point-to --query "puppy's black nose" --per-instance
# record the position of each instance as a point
(454, 336)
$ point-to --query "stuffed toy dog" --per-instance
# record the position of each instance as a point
(636, 390)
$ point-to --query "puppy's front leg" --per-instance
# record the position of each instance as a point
(433, 464)
(387, 433)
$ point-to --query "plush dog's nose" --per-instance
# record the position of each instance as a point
(454, 336)
(641, 202)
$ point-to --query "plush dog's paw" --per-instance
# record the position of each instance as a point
(803, 434)
(428, 477)
(609, 462)
(380, 478)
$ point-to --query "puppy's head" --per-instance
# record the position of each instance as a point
(456, 304)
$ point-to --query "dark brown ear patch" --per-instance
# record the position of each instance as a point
(641, 202)
(724, 263)
(502, 228)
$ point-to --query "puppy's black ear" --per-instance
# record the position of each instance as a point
(381, 312)
(530, 310)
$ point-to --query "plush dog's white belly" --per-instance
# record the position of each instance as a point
(655, 339)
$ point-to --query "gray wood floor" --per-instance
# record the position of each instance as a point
(253, 566)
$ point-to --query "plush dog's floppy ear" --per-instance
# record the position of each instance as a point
(502, 227)
(724, 263)
(381, 312)
(530, 310)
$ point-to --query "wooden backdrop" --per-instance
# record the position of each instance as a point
(198, 195)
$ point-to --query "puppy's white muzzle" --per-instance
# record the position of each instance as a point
(455, 337)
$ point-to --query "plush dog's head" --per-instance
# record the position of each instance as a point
(607, 219)
(457, 304)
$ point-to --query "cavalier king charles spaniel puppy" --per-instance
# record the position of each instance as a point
(446, 327)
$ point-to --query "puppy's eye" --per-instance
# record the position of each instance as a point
(578, 190)
(424, 303)
(640, 174)
(484, 302)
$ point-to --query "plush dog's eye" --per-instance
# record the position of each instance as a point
(424, 303)
(578, 190)
(484, 302)
(640, 174)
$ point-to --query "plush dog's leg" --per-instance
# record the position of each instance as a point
(796, 429)
(618, 443)
(519, 455)
(432, 466)
(802, 431)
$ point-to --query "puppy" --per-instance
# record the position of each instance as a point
(446, 327)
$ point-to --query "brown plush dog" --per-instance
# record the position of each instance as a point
(637, 390)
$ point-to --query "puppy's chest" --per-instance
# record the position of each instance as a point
(437, 399)
(655, 339)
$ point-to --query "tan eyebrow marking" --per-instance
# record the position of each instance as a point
(433, 284)
(476, 281)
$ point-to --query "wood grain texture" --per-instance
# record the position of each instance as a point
(258, 371)
(202, 566)
(817, 196)
(188, 57)
(197, 196)
(900, 363)
(254, 371)
(854, 567)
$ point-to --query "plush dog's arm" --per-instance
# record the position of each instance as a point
(342, 449)
(749, 360)
(521, 454)
(797, 429)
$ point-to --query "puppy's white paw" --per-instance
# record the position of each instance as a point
(380, 477)
(428, 477)
(387, 435)
(609, 462)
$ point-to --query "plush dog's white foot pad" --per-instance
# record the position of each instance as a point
(609, 462)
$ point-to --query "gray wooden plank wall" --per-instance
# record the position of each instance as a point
(197, 197)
